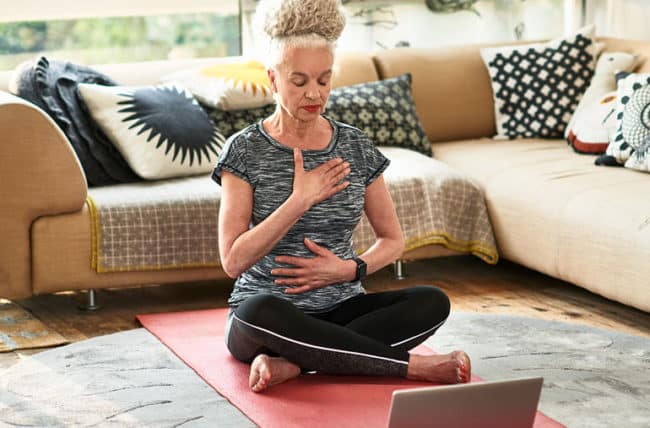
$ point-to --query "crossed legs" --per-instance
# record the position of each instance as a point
(367, 335)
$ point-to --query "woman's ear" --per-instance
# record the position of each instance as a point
(271, 75)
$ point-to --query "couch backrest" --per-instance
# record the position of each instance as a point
(639, 47)
(451, 86)
(451, 89)
(350, 68)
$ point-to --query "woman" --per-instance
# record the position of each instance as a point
(294, 186)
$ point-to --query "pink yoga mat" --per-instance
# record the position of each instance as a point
(313, 401)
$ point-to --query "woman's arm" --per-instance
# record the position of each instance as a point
(239, 247)
(380, 210)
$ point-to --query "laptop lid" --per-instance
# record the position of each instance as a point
(499, 404)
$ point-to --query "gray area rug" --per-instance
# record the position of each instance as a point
(593, 377)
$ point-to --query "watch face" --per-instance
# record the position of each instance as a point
(361, 268)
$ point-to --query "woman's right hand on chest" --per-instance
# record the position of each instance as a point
(320, 183)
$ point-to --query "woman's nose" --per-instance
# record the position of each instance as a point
(312, 93)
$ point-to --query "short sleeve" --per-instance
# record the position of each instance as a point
(232, 159)
(376, 163)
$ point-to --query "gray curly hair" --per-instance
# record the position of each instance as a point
(284, 23)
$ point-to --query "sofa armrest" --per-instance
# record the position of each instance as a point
(41, 176)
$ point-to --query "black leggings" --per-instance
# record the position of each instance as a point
(369, 334)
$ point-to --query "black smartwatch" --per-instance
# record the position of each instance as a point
(361, 268)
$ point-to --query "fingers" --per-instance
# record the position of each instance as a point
(332, 163)
(298, 161)
(288, 272)
(298, 290)
(336, 189)
(294, 282)
(291, 260)
(315, 248)
(338, 171)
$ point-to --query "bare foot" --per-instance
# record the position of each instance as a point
(267, 371)
(454, 367)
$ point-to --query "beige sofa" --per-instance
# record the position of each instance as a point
(552, 210)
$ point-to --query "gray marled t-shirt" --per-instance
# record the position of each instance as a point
(268, 167)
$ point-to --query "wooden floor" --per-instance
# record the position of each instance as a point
(471, 284)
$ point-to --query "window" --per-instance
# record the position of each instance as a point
(375, 24)
(149, 33)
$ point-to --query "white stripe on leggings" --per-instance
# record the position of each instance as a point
(418, 335)
(318, 347)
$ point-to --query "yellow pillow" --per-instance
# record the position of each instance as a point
(228, 85)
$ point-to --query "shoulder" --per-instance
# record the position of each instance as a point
(349, 133)
(240, 142)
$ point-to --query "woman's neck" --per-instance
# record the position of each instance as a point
(313, 135)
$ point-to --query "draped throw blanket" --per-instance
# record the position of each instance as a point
(168, 224)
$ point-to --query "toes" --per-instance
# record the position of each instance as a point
(260, 385)
(465, 366)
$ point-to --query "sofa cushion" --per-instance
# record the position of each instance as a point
(161, 130)
(536, 87)
(384, 110)
(554, 211)
(231, 85)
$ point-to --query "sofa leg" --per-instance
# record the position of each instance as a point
(399, 269)
(91, 302)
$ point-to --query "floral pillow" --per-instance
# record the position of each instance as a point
(161, 131)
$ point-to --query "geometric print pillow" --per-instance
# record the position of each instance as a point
(384, 110)
(232, 121)
(536, 87)
(161, 131)
(631, 142)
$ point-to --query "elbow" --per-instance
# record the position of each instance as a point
(230, 268)
(400, 246)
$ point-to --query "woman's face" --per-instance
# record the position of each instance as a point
(303, 81)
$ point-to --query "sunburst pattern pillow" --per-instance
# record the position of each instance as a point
(161, 131)
(227, 86)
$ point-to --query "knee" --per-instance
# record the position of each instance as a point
(433, 303)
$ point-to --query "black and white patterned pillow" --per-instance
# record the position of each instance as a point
(233, 121)
(537, 87)
(631, 143)
(384, 110)
(161, 131)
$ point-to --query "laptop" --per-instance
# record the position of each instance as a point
(498, 404)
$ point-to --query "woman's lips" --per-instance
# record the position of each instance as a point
(312, 109)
